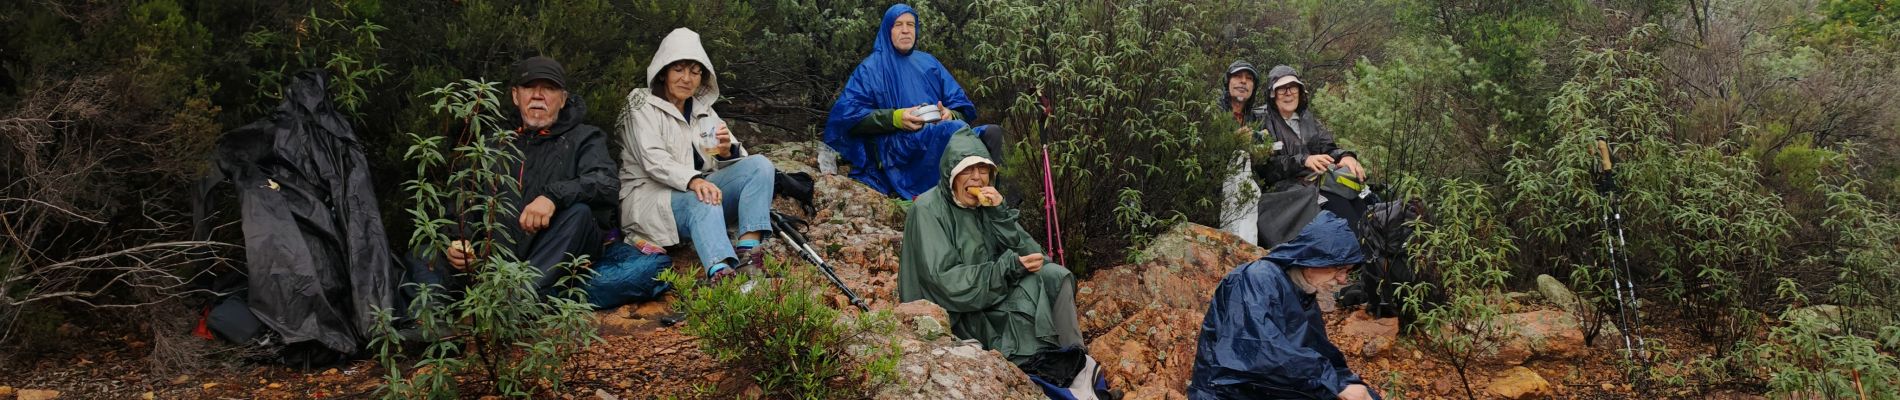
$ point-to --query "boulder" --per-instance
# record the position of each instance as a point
(1548, 334)
(1519, 383)
(1827, 314)
(944, 368)
(792, 157)
(1560, 295)
(926, 319)
(858, 231)
(919, 308)
(635, 318)
(1148, 315)
(1155, 393)
(1369, 336)
(36, 394)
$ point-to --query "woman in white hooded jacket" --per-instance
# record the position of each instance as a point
(683, 175)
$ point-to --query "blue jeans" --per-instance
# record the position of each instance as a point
(745, 189)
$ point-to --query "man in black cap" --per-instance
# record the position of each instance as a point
(1240, 212)
(567, 184)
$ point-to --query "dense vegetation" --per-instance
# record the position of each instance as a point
(1756, 139)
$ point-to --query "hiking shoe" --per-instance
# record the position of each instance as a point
(721, 276)
(752, 261)
(1353, 295)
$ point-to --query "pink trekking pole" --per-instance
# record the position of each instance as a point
(1052, 224)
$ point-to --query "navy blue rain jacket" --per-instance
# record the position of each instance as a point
(1263, 337)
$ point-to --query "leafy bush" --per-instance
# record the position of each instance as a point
(1725, 235)
(516, 338)
(1810, 354)
(1132, 132)
(1394, 113)
(1466, 247)
(1867, 243)
(785, 331)
(1696, 216)
(351, 45)
(1506, 86)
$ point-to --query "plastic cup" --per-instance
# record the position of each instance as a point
(709, 132)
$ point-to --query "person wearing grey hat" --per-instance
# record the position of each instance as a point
(566, 189)
(1304, 159)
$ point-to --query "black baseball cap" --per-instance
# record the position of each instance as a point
(537, 67)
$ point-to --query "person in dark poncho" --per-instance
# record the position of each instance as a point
(1263, 336)
(881, 123)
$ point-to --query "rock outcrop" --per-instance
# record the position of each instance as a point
(857, 230)
(1145, 318)
(942, 367)
(859, 233)
(1519, 383)
(1555, 292)
(1548, 334)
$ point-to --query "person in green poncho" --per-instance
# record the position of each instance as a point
(964, 251)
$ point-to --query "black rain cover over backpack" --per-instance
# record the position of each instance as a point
(1383, 234)
(317, 258)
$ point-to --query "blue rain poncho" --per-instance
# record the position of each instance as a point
(900, 163)
(1263, 337)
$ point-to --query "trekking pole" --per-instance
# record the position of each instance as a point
(786, 230)
(1623, 278)
(1052, 224)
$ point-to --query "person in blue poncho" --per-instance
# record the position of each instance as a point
(1263, 336)
(897, 112)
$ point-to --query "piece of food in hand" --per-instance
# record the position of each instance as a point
(982, 200)
(463, 246)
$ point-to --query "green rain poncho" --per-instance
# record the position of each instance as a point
(966, 260)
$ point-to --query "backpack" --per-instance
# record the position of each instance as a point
(1068, 374)
(1383, 234)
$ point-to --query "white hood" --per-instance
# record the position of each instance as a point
(683, 44)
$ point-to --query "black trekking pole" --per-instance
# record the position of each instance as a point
(788, 231)
(1624, 279)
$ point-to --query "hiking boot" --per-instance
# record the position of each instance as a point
(752, 261)
(1353, 295)
(722, 276)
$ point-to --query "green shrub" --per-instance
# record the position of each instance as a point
(346, 46)
(1466, 247)
(1854, 23)
(1133, 132)
(1696, 217)
(1508, 83)
(1554, 197)
(515, 338)
(1725, 233)
(1394, 112)
(1867, 241)
(1810, 354)
(784, 331)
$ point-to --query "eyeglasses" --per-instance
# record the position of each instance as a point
(1287, 89)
